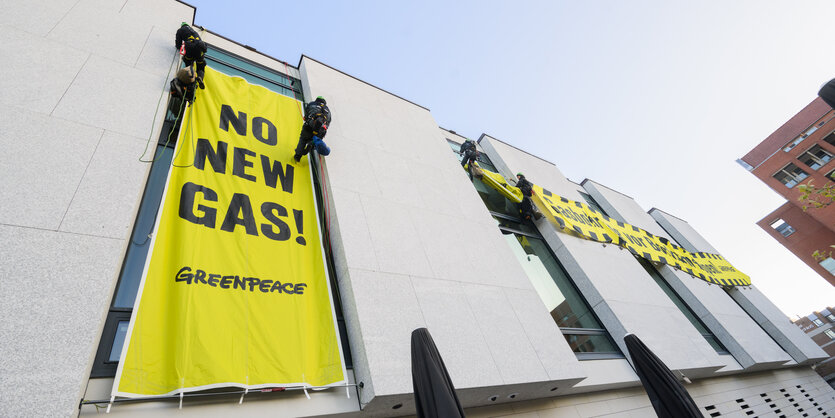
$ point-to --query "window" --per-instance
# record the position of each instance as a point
(580, 327)
(830, 317)
(800, 138)
(593, 203)
(688, 313)
(817, 322)
(815, 157)
(830, 139)
(253, 73)
(782, 227)
(829, 265)
(578, 324)
(790, 175)
(118, 318)
(830, 333)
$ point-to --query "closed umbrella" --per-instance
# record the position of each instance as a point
(434, 393)
(668, 396)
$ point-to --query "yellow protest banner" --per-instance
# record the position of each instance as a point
(235, 291)
(496, 181)
(574, 216)
(582, 220)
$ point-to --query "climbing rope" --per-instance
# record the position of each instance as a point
(156, 112)
(190, 128)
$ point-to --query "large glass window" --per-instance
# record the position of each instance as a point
(790, 175)
(115, 329)
(230, 64)
(579, 326)
(593, 203)
(815, 157)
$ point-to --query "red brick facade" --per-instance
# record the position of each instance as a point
(820, 333)
(814, 229)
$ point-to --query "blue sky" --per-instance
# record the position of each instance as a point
(656, 99)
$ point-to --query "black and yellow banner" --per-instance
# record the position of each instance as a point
(584, 221)
(235, 290)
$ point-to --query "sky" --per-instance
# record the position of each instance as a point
(655, 99)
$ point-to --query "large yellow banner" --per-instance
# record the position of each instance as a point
(235, 291)
(584, 221)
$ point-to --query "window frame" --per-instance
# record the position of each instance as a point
(795, 179)
(809, 155)
(828, 261)
(297, 92)
(829, 138)
(784, 228)
(568, 331)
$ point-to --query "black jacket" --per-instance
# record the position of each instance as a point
(467, 147)
(317, 117)
(185, 33)
(195, 47)
(525, 186)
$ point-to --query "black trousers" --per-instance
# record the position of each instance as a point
(526, 207)
(469, 157)
(200, 67)
(305, 142)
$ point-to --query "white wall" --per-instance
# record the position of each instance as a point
(748, 343)
(782, 389)
(80, 83)
(619, 290)
(773, 321)
(415, 247)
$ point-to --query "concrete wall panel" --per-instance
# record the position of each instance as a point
(43, 163)
(422, 219)
(113, 96)
(37, 17)
(48, 67)
(761, 310)
(54, 295)
(728, 322)
(75, 73)
(101, 205)
(621, 293)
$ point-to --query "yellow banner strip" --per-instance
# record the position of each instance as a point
(582, 220)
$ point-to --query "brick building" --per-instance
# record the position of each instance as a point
(800, 152)
(821, 327)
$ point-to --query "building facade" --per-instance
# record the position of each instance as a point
(821, 327)
(800, 152)
(529, 320)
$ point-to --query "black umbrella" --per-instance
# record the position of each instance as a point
(668, 396)
(827, 93)
(434, 393)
